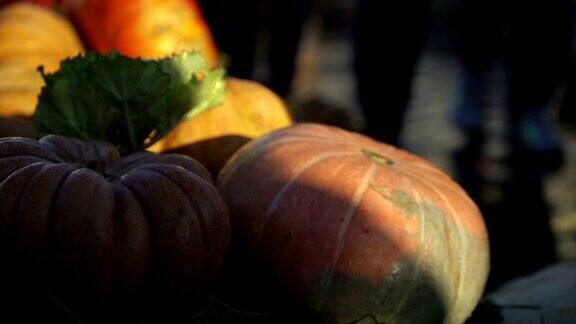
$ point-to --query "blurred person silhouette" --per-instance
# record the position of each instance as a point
(236, 26)
(534, 38)
(388, 39)
(567, 114)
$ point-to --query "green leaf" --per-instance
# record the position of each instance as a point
(131, 103)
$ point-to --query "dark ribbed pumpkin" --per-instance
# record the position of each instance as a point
(356, 229)
(96, 227)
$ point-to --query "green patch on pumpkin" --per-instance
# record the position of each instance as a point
(406, 295)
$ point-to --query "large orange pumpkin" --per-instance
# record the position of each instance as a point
(97, 229)
(144, 28)
(30, 36)
(355, 229)
(249, 110)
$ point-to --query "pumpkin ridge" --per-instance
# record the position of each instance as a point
(50, 216)
(463, 220)
(23, 12)
(140, 200)
(244, 158)
(48, 171)
(127, 164)
(25, 160)
(79, 150)
(36, 157)
(460, 192)
(152, 253)
(96, 194)
(121, 213)
(56, 149)
(157, 252)
(456, 188)
(356, 199)
(343, 166)
(94, 152)
(15, 141)
(460, 276)
(419, 271)
(17, 174)
(300, 169)
(206, 244)
(427, 167)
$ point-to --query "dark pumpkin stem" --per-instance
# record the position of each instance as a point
(377, 158)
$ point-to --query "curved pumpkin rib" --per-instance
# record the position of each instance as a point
(32, 61)
(30, 36)
(31, 57)
(76, 150)
(128, 163)
(19, 76)
(427, 168)
(206, 211)
(9, 165)
(32, 219)
(14, 146)
(193, 167)
(418, 264)
(358, 195)
(206, 244)
(31, 14)
(131, 242)
(456, 189)
(82, 231)
(176, 253)
(140, 159)
(19, 30)
(18, 102)
(266, 143)
(66, 151)
(296, 174)
(461, 276)
(38, 48)
(300, 236)
(472, 226)
(15, 184)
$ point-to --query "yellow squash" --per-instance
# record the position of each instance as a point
(249, 110)
(30, 36)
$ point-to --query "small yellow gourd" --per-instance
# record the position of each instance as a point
(249, 110)
(30, 36)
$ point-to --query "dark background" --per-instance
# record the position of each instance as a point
(482, 88)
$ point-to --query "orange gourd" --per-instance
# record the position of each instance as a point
(249, 110)
(355, 229)
(144, 28)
